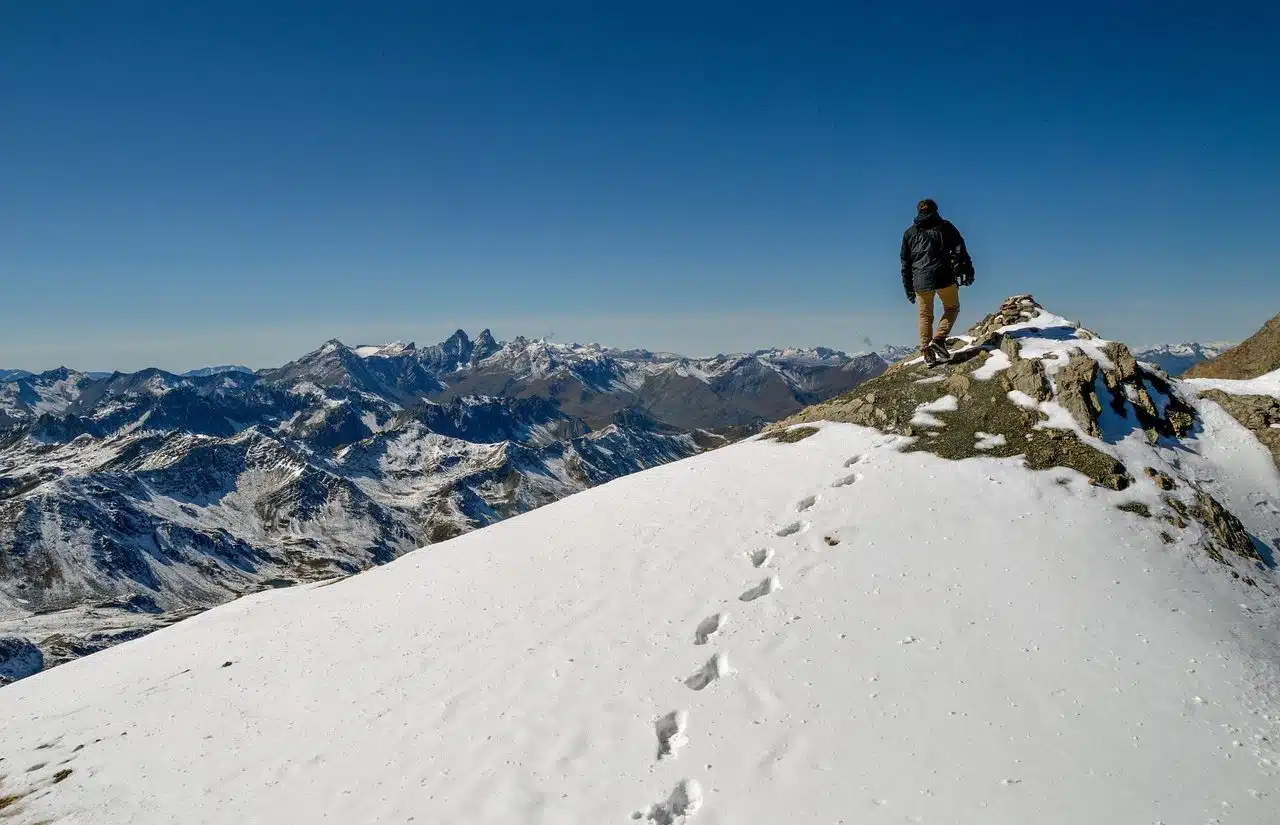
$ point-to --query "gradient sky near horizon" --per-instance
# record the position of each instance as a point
(185, 184)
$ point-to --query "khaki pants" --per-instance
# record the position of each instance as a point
(950, 311)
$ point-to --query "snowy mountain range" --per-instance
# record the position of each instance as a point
(1036, 584)
(204, 372)
(133, 500)
(1175, 359)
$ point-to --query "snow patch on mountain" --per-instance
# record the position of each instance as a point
(1268, 384)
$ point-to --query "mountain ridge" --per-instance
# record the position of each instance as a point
(1255, 356)
(184, 491)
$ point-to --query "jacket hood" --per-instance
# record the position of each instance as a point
(926, 220)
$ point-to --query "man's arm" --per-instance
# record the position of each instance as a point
(906, 267)
(961, 253)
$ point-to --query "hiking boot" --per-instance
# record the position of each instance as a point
(930, 357)
(939, 348)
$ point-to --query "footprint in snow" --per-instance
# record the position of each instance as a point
(760, 558)
(764, 588)
(857, 459)
(790, 530)
(671, 733)
(682, 804)
(709, 627)
(716, 666)
(805, 503)
(852, 478)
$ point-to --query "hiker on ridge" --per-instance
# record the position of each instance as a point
(934, 262)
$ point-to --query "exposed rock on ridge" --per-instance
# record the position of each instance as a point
(1025, 382)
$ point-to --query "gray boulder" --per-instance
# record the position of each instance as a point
(19, 659)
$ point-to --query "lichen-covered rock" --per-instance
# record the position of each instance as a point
(790, 435)
(1026, 375)
(1226, 529)
(1077, 392)
(1124, 367)
(1162, 480)
(1014, 310)
(957, 385)
(19, 659)
(1095, 375)
(889, 402)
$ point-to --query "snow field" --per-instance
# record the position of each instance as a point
(935, 641)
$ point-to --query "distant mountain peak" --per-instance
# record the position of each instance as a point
(205, 372)
(484, 345)
(1176, 359)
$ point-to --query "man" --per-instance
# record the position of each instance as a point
(934, 262)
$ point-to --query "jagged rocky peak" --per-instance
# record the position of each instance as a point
(1035, 342)
(484, 345)
(1022, 381)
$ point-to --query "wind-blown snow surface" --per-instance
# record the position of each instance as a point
(1268, 384)
(820, 632)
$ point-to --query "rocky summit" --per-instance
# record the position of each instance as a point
(1024, 382)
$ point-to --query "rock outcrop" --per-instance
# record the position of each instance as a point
(1027, 383)
(19, 659)
(1003, 403)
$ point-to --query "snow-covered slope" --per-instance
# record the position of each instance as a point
(811, 632)
(1268, 384)
(1254, 403)
(828, 623)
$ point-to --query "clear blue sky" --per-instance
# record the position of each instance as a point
(240, 181)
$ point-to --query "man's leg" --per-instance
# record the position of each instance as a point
(950, 311)
(924, 303)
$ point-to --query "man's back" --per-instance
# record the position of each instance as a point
(934, 263)
(927, 246)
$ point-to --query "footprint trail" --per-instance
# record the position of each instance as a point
(790, 529)
(764, 588)
(716, 667)
(709, 627)
(683, 803)
(670, 730)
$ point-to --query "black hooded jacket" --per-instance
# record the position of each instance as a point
(928, 247)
